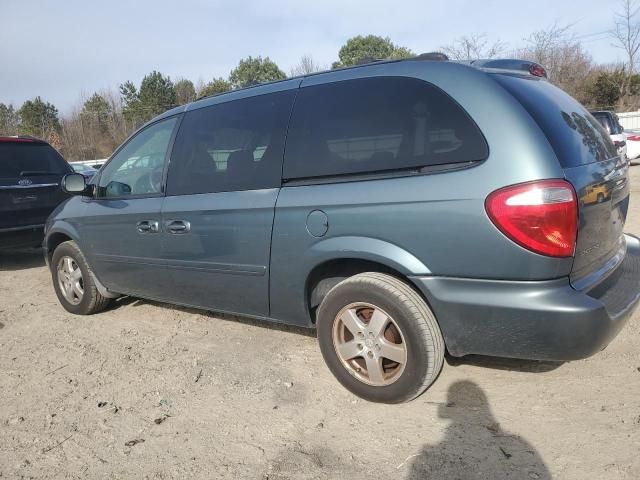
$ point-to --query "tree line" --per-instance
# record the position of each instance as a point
(103, 120)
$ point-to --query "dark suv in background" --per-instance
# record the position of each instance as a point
(399, 207)
(30, 174)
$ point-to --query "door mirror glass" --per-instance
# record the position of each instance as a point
(73, 183)
(117, 189)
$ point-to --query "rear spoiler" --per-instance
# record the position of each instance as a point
(508, 65)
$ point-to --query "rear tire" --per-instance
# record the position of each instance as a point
(394, 366)
(73, 281)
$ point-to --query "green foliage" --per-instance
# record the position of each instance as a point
(96, 111)
(38, 118)
(401, 52)
(185, 91)
(358, 48)
(132, 108)
(251, 71)
(217, 85)
(605, 89)
(129, 92)
(9, 120)
(156, 95)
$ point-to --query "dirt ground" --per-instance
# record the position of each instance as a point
(147, 390)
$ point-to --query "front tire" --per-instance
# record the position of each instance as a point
(73, 281)
(379, 338)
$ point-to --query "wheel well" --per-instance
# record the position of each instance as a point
(327, 275)
(54, 240)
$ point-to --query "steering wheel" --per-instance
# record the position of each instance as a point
(149, 182)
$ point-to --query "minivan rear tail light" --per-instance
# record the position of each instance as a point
(540, 216)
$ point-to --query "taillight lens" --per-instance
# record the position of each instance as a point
(540, 216)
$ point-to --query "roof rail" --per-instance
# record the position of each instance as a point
(434, 56)
(366, 60)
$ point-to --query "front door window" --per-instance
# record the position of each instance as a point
(137, 168)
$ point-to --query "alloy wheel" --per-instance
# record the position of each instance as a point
(370, 344)
(70, 280)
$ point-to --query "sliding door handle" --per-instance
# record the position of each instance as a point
(178, 226)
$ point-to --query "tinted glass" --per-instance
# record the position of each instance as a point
(28, 159)
(237, 145)
(377, 124)
(137, 168)
(603, 118)
(576, 137)
(80, 167)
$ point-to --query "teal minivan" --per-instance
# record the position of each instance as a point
(402, 208)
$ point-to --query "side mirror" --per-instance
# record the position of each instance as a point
(73, 184)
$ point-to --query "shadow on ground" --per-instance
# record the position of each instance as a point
(510, 364)
(11, 260)
(475, 445)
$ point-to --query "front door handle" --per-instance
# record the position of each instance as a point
(148, 226)
(178, 226)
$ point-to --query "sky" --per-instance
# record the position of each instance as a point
(62, 50)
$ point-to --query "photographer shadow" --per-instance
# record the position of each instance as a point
(475, 445)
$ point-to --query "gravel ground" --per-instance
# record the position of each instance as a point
(147, 390)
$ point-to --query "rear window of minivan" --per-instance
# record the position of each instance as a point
(574, 134)
(25, 158)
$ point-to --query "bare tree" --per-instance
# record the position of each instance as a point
(568, 65)
(543, 44)
(88, 134)
(626, 35)
(306, 66)
(473, 47)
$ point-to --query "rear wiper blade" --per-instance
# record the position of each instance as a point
(33, 173)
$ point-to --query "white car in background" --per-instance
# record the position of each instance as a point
(611, 123)
(633, 143)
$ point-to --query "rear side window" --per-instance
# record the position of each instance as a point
(576, 137)
(237, 145)
(377, 124)
(25, 159)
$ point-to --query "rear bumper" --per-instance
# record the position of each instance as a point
(20, 237)
(538, 320)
